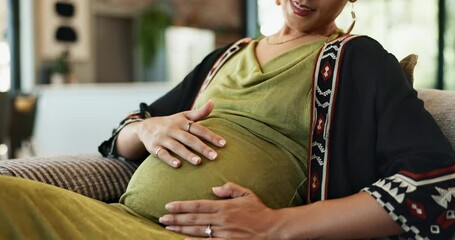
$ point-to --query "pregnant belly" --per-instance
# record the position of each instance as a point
(246, 160)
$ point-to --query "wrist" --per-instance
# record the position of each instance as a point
(287, 225)
(354, 217)
(300, 222)
(136, 127)
(281, 229)
(128, 143)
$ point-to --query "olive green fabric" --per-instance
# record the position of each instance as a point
(273, 101)
(34, 210)
(263, 112)
(260, 166)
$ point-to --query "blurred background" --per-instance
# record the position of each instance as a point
(70, 70)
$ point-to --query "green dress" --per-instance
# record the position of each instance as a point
(32, 210)
(263, 112)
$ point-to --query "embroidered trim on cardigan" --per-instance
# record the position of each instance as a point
(325, 82)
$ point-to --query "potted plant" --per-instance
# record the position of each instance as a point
(152, 25)
(60, 68)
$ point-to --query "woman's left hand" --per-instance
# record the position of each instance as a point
(244, 216)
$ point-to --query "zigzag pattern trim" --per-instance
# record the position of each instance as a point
(332, 55)
(334, 47)
(320, 146)
(317, 158)
(324, 86)
(428, 181)
(399, 219)
(325, 93)
(325, 105)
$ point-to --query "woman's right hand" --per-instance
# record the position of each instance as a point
(179, 134)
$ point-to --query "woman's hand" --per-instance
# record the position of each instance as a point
(242, 217)
(179, 134)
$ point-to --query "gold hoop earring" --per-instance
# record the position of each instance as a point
(354, 17)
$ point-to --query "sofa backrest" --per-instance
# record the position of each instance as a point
(441, 104)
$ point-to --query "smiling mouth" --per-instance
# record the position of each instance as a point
(301, 7)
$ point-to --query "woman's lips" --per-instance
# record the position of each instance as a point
(300, 9)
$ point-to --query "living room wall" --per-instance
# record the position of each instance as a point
(225, 18)
(75, 118)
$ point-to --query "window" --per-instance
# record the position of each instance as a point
(449, 53)
(402, 27)
(5, 79)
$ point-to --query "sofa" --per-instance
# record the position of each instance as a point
(105, 179)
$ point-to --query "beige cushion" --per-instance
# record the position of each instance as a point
(91, 175)
(441, 104)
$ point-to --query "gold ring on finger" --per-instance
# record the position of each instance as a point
(158, 151)
(189, 126)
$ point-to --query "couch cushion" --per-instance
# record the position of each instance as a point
(441, 104)
(408, 64)
(91, 175)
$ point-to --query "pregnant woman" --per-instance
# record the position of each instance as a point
(262, 112)
(322, 130)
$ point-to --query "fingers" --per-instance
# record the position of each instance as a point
(195, 143)
(206, 134)
(196, 231)
(201, 113)
(166, 157)
(197, 206)
(179, 136)
(204, 238)
(173, 141)
(179, 149)
(208, 206)
(231, 190)
(193, 140)
(180, 143)
(185, 219)
(193, 230)
(200, 147)
(200, 131)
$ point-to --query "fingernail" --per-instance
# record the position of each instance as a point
(196, 160)
(169, 206)
(217, 189)
(212, 155)
(175, 163)
(164, 219)
(171, 228)
(222, 142)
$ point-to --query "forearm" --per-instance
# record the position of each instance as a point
(354, 217)
(128, 144)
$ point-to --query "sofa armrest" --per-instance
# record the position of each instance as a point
(92, 175)
(440, 103)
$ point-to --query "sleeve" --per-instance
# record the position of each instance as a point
(415, 158)
(179, 99)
